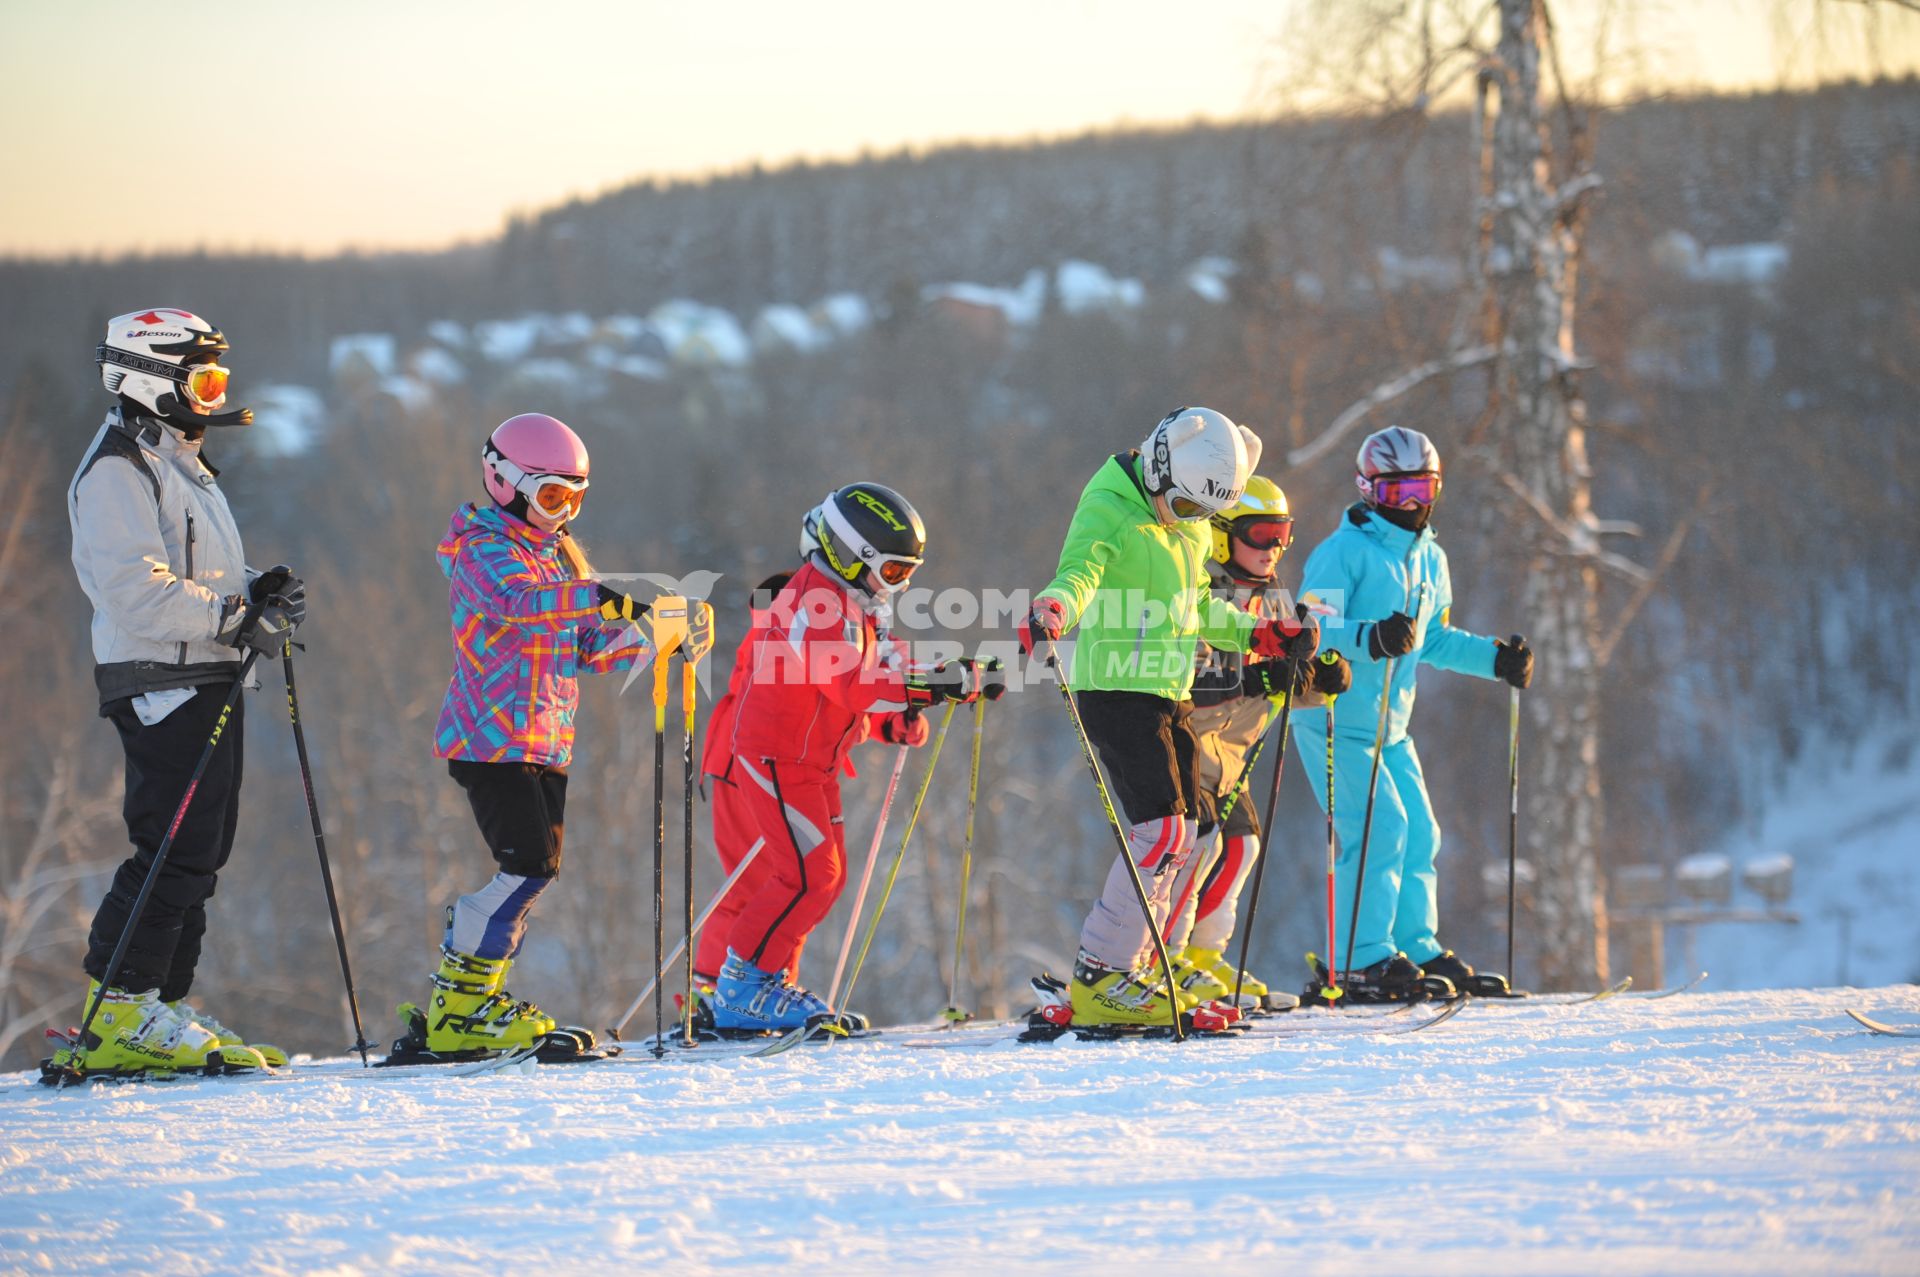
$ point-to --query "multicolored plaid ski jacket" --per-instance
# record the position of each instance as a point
(523, 626)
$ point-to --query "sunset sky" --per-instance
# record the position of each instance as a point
(312, 128)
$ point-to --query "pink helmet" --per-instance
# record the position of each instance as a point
(537, 467)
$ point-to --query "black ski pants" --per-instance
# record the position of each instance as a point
(165, 947)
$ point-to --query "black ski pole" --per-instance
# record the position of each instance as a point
(1373, 782)
(1120, 838)
(360, 1042)
(1273, 799)
(160, 859)
(1513, 800)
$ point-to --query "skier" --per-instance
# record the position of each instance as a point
(527, 616)
(174, 606)
(1234, 703)
(734, 834)
(1382, 583)
(1132, 575)
(817, 674)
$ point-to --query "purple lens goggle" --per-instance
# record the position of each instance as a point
(1404, 491)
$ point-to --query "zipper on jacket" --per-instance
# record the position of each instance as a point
(189, 576)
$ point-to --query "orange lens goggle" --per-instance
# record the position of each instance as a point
(206, 384)
(1187, 509)
(895, 571)
(559, 497)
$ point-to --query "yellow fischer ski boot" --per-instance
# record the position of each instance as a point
(1101, 995)
(1201, 983)
(136, 1034)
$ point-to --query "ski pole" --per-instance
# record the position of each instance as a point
(739, 871)
(360, 1043)
(160, 858)
(866, 875)
(668, 616)
(1373, 783)
(806, 1031)
(1330, 992)
(660, 668)
(906, 836)
(1366, 822)
(1513, 800)
(1273, 799)
(953, 1014)
(1119, 837)
(688, 706)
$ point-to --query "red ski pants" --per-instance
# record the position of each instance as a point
(795, 880)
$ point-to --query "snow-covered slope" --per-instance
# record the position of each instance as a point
(1704, 1133)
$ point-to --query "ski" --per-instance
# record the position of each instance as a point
(1653, 994)
(1882, 1029)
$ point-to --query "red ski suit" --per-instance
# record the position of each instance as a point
(808, 681)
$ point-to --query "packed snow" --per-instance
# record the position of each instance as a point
(1702, 1133)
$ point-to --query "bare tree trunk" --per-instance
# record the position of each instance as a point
(1538, 431)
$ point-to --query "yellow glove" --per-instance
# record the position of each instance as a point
(699, 640)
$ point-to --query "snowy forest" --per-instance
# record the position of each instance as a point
(980, 327)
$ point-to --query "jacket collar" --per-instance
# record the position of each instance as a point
(1391, 535)
(157, 437)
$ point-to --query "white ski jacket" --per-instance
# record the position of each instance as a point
(157, 552)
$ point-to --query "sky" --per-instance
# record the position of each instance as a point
(273, 125)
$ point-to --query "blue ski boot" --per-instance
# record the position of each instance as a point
(745, 998)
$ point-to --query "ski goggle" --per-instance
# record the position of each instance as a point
(894, 570)
(1400, 491)
(205, 384)
(554, 495)
(1186, 509)
(1263, 531)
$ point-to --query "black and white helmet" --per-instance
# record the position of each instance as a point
(168, 361)
(866, 534)
(1199, 461)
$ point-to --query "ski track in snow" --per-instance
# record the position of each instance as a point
(1705, 1133)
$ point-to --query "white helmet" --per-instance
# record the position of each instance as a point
(1395, 452)
(168, 362)
(1199, 461)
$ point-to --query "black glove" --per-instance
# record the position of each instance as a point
(993, 676)
(957, 680)
(280, 582)
(1390, 637)
(260, 619)
(1329, 675)
(615, 606)
(1513, 661)
(1263, 678)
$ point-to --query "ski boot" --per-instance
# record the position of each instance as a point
(1254, 993)
(1481, 984)
(747, 1000)
(1100, 995)
(138, 1035)
(273, 1055)
(1199, 982)
(470, 1011)
(1394, 979)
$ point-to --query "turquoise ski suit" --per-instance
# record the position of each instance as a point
(1367, 570)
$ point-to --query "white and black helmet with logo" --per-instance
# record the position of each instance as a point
(168, 361)
(1394, 452)
(866, 534)
(1199, 460)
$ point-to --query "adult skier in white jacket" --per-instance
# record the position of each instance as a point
(174, 608)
